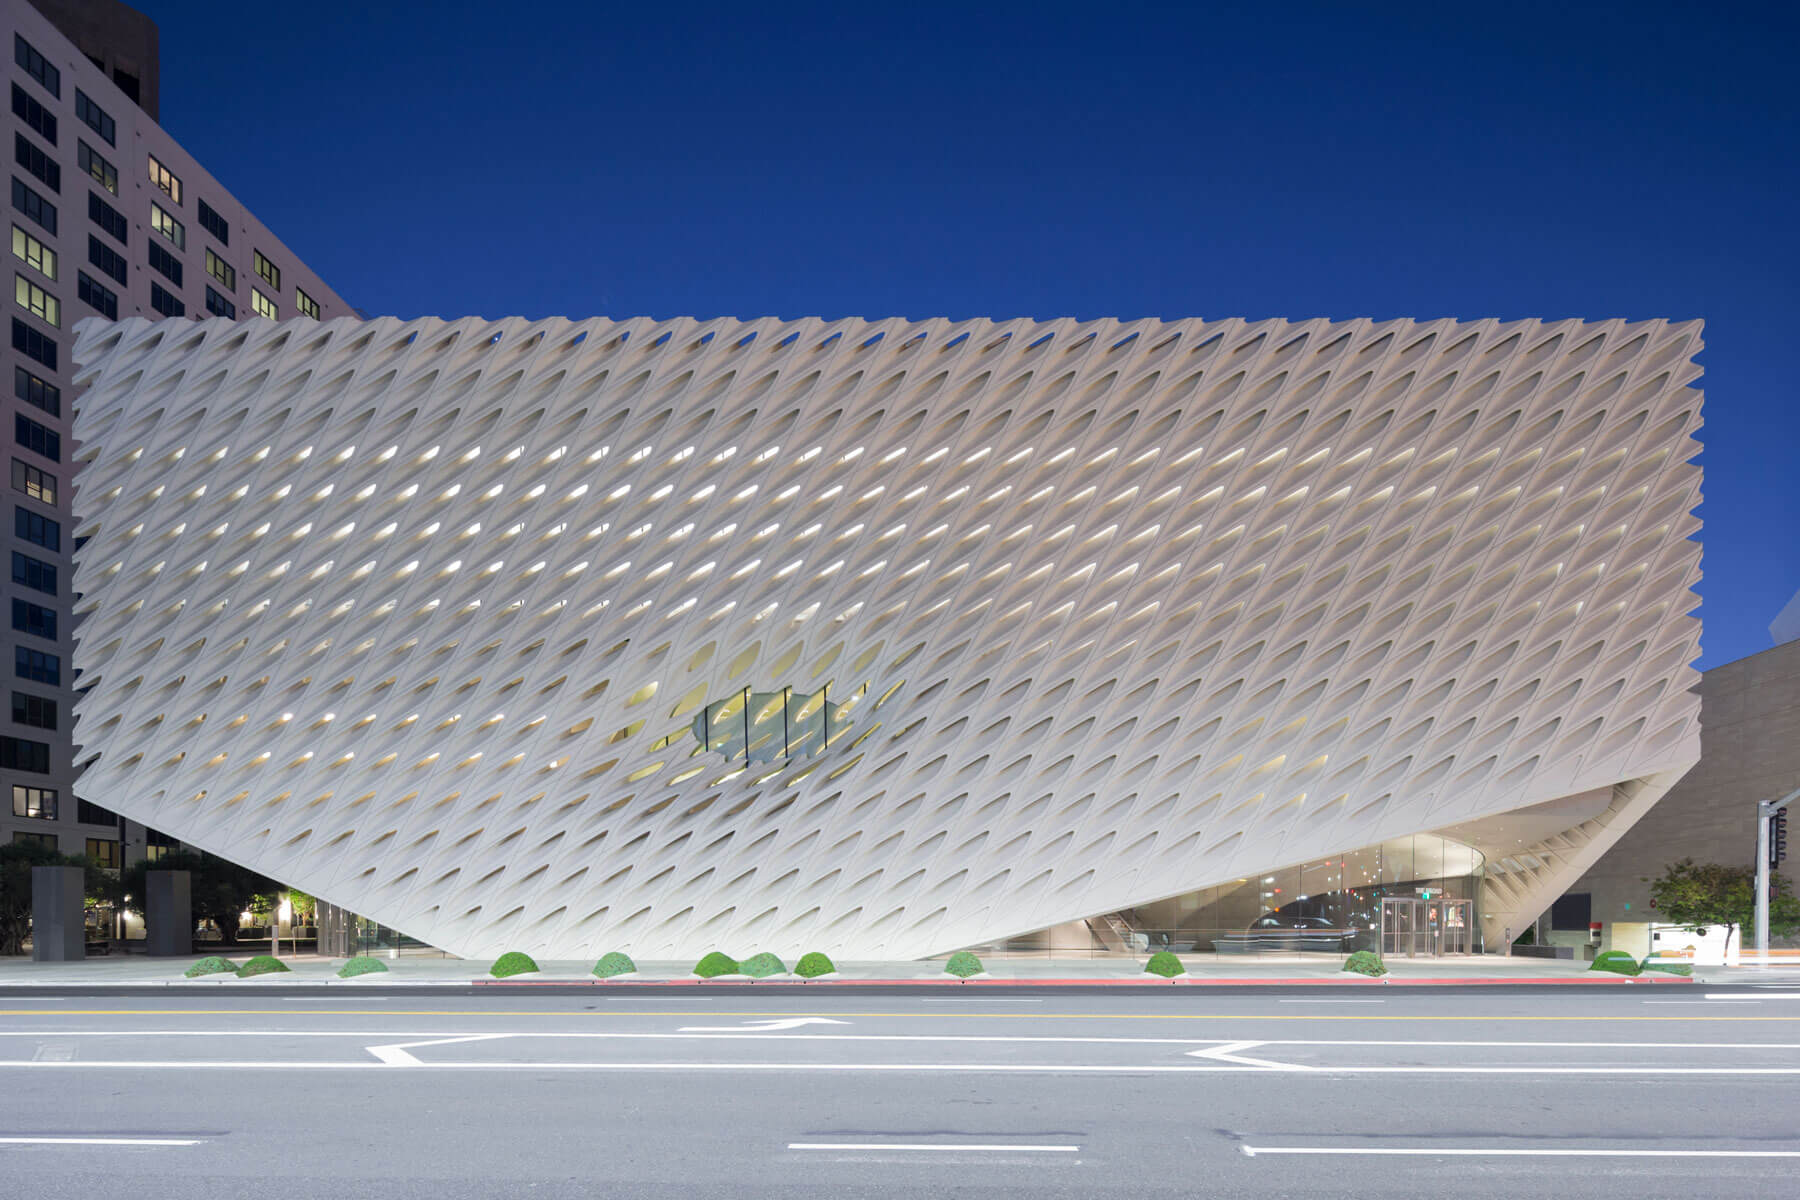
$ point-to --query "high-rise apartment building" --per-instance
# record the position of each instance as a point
(109, 217)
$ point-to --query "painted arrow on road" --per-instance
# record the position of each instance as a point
(762, 1026)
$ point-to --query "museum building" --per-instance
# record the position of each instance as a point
(887, 638)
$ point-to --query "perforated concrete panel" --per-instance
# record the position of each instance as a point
(471, 626)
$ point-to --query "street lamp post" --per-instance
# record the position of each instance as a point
(1765, 853)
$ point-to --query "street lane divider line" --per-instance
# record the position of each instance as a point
(1229, 1053)
(99, 1141)
(396, 1055)
(1511, 1152)
(943, 1146)
(1758, 996)
(576, 1014)
(924, 1068)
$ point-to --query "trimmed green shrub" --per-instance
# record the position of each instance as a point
(362, 964)
(211, 965)
(1667, 968)
(512, 963)
(1616, 961)
(761, 966)
(262, 964)
(614, 963)
(716, 964)
(1365, 962)
(963, 964)
(1165, 964)
(812, 964)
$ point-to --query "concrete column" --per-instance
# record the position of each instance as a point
(58, 907)
(168, 913)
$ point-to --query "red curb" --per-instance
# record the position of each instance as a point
(1187, 981)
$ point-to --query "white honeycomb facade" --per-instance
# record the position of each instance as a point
(450, 623)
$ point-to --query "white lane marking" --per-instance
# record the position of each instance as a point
(1333, 1002)
(977, 1000)
(1229, 1053)
(966, 1068)
(428, 1037)
(948, 1146)
(1758, 996)
(1714, 1003)
(54, 1052)
(99, 1141)
(1515, 1152)
(762, 1026)
(396, 1055)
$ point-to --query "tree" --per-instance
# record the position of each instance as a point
(16, 861)
(1695, 896)
(219, 890)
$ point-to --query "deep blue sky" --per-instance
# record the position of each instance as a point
(987, 159)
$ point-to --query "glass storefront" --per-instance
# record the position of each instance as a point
(1327, 905)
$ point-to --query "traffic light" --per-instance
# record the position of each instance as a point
(1778, 837)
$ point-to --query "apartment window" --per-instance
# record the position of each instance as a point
(37, 392)
(92, 814)
(306, 303)
(164, 223)
(214, 224)
(219, 306)
(37, 118)
(261, 305)
(34, 573)
(33, 344)
(34, 619)
(37, 66)
(36, 802)
(17, 754)
(106, 258)
(36, 301)
(37, 438)
(33, 253)
(39, 485)
(94, 117)
(167, 263)
(46, 840)
(104, 852)
(165, 179)
(97, 296)
(165, 302)
(111, 219)
(36, 711)
(33, 205)
(37, 666)
(29, 155)
(221, 270)
(266, 270)
(98, 169)
(37, 529)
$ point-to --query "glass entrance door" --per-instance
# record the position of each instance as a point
(1400, 926)
(1457, 922)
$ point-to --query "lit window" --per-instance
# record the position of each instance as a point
(33, 253)
(36, 301)
(261, 305)
(221, 270)
(168, 226)
(104, 851)
(266, 270)
(36, 802)
(165, 179)
(306, 303)
(39, 485)
(98, 169)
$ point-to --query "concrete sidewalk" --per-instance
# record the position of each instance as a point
(1204, 969)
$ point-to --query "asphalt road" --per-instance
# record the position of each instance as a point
(1616, 1092)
